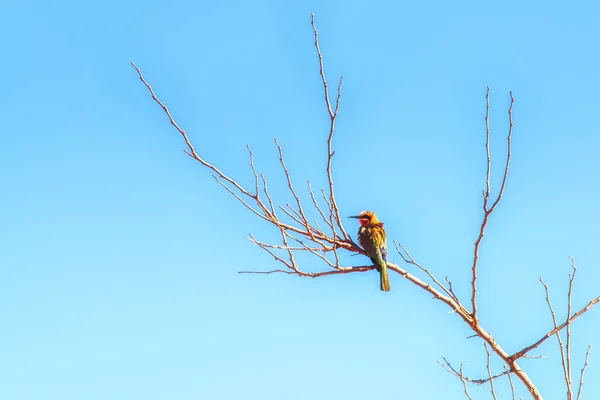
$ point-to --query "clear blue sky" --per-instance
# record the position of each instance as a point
(119, 254)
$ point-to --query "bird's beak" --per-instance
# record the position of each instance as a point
(354, 216)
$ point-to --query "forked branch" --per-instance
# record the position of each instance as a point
(298, 234)
(487, 210)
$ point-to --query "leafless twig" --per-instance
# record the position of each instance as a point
(560, 342)
(585, 365)
(458, 374)
(486, 194)
(296, 228)
(489, 370)
(512, 386)
(548, 335)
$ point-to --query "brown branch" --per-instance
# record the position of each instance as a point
(521, 353)
(281, 247)
(486, 195)
(345, 270)
(491, 378)
(220, 175)
(512, 386)
(321, 256)
(569, 296)
(192, 152)
(332, 116)
(458, 374)
(291, 187)
(411, 260)
(587, 354)
(248, 206)
(508, 152)
(481, 381)
(344, 241)
(454, 296)
(464, 383)
(312, 196)
(560, 342)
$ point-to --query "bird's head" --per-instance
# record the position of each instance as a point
(366, 218)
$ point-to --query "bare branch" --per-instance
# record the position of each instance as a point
(192, 152)
(312, 196)
(521, 353)
(508, 152)
(332, 116)
(291, 187)
(346, 270)
(563, 356)
(464, 382)
(488, 211)
(587, 355)
(281, 247)
(448, 367)
(411, 260)
(458, 374)
(454, 296)
(300, 228)
(248, 206)
(569, 296)
(487, 149)
(512, 386)
(490, 371)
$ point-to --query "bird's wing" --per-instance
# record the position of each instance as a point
(383, 250)
(383, 243)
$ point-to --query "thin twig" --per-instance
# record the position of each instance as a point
(569, 296)
(411, 260)
(489, 369)
(346, 270)
(343, 241)
(587, 355)
(563, 356)
(486, 194)
(448, 367)
(522, 352)
(458, 374)
(312, 196)
(291, 187)
(332, 115)
(512, 386)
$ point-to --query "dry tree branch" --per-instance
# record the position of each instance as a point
(560, 342)
(344, 270)
(346, 243)
(332, 115)
(569, 296)
(512, 386)
(312, 196)
(521, 353)
(337, 243)
(458, 374)
(448, 367)
(319, 241)
(489, 370)
(486, 194)
(411, 260)
(585, 365)
(565, 351)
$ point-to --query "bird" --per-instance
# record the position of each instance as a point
(372, 238)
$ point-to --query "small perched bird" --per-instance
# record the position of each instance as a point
(372, 238)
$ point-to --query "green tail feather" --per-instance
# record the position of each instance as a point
(384, 279)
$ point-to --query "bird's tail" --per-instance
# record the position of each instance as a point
(383, 277)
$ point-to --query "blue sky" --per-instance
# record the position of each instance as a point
(119, 254)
